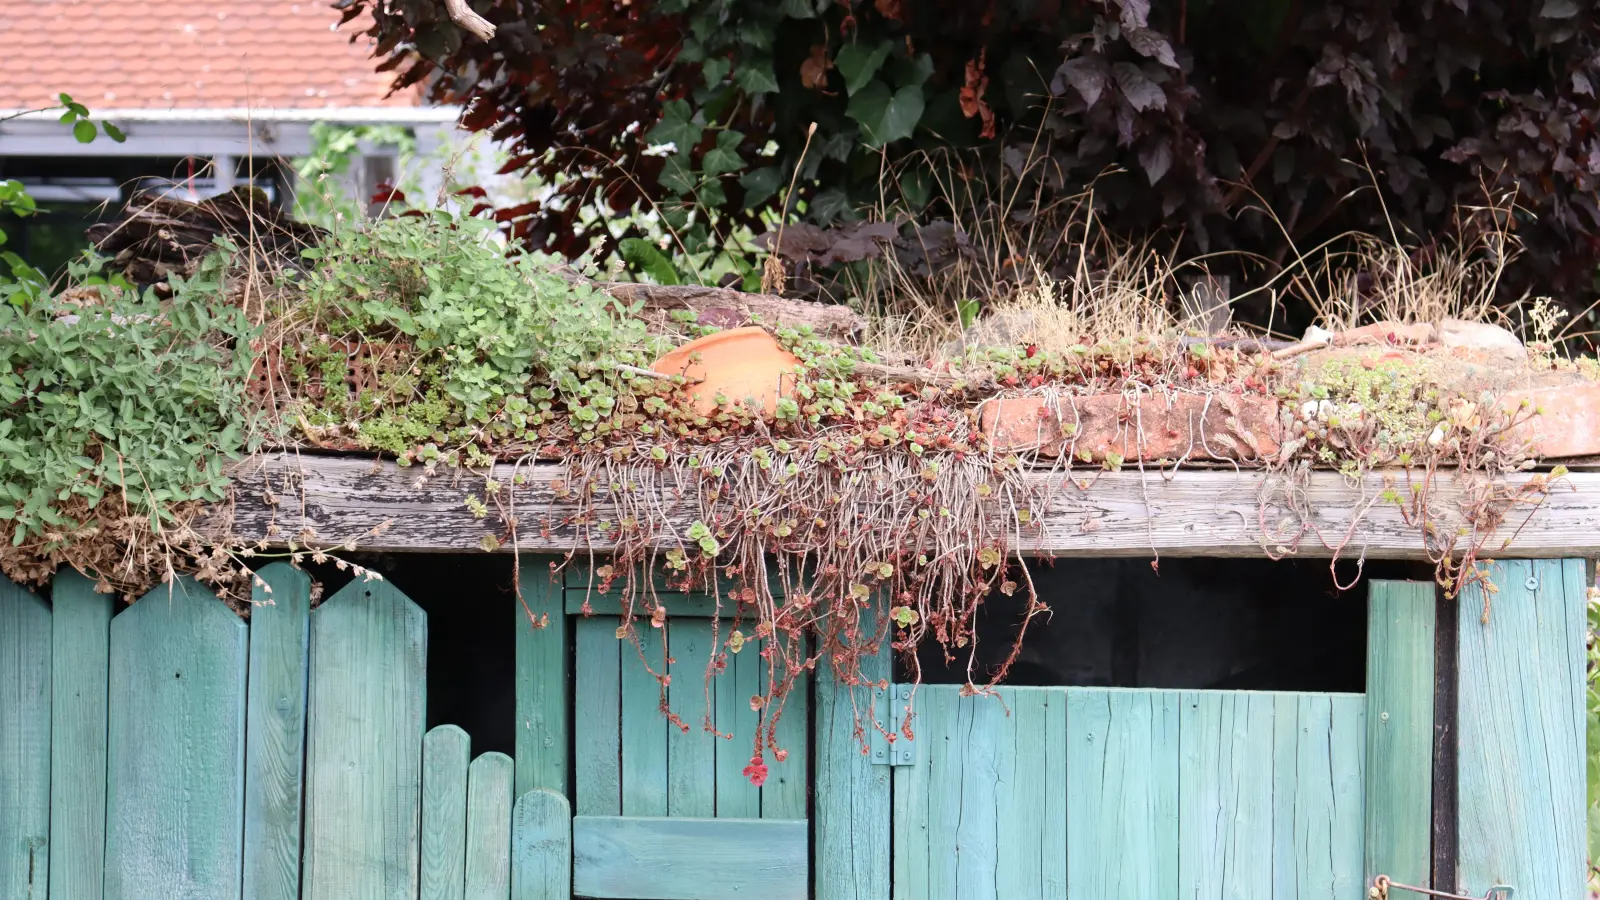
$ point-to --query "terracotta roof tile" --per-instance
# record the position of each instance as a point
(161, 54)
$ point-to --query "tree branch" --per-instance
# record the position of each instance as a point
(463, 15)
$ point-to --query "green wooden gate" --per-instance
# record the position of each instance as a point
(175, 750)
(665, 812)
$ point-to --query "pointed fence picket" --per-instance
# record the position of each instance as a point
(169, 751)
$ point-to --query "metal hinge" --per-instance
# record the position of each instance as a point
(889, 714)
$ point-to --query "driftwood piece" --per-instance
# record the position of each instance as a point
(726, 308)
(463, 15)
(1219, 513)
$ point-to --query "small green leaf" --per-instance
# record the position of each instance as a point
(643, 256)
(858, 63)
(715, 70)
(83, 130)
(886, 117)
(113, 132)
(724, 157)
(913, 72)
(760, 184)
(757, 78)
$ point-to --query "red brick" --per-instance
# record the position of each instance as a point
(1567, 423)
(1241, 427)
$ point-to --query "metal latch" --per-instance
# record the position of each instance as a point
(1382, 885)
(889, 715)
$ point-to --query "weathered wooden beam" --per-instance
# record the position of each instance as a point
(1192, 513)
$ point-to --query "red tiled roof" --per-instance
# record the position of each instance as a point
(160, 54)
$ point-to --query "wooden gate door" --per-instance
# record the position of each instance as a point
(663, 811)
(1134, 794)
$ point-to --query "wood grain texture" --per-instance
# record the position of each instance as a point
(644, 727)
(851, 814)
(25, 645)
(1122, 800)
(446, 755)
(689, 859)
(1521, 772)
(541, 847)
(1319, 742)
(489, 781)
(1399, 722)
(275, 732)
(176, 739)
(80, 636)
(1031, 857)
(542, 736)
(1225, 802)
(736, 796)
(369, 650)
(691, 749)
(597, 716)
(1192, 513)
(784, 794)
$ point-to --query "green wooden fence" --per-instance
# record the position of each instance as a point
(175, 750)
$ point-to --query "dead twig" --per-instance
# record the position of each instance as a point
(463, 15)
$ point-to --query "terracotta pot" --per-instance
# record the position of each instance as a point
(740, 364)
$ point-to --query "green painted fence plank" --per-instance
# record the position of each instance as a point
(691, 749)
(852, 812)
(689, 859)
(446, 753)
(1317, 834)
(369, 650)
(916, 832)
(25, 643)
(1399, 724)
(694, 605)
(541, 847)
(598, 716)
(176, 739)
(644, 728)
(1122, 809)
(784, 794)
(989, 740)
(80, 637)
(542, 736)
(1225, 796)
(275, 732)
(736, 796)
(1521, 775)
(1022, 793)
(489, 783)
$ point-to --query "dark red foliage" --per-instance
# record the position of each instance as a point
(1202, 112)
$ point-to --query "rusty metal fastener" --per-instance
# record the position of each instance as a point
(1382, 884)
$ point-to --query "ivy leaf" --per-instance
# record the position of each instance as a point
(828, 205)
(676, 176)
(914, 71)
(724, 157)
(858, 64)
(757, 78)
(1142, 93)
(643, 256)
(715, 70)
(884, 116)
(760, 184)
(83, 131)
(797, 9)
(677, 127)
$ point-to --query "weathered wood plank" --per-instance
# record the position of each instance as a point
(1446, 713)
(489, 781)
(1192, 513)
(691, 749)
(176, 737)
(689, 859)
(80, 636)
(25, 645)
(597, 716)
(1225, 802)
(851, 813)
(644, 727)
(446, 754)
(542, 737)
(1399, 722)
(369, 650)
(736, 796)
(541, 847)
(1031, 856)
(1521, 766)
(784, 794)
(275, 732)
(1318, 744)
(1122, 800)
(919, 790)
